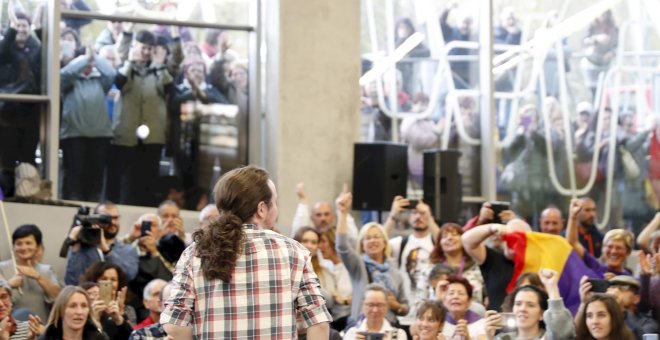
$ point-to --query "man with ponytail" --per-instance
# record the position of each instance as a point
(241, 280)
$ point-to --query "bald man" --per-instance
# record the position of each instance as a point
(551, 221)
(323, 216)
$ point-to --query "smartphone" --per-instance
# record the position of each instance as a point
(372, 336)
(146, 227)
(412, 204)
(509, 322)
(497, 208)
(599, 285)
(105, 291)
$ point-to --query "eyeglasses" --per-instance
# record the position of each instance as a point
(371, 305)
(373, 237)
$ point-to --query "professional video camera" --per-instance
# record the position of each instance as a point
(89, 235)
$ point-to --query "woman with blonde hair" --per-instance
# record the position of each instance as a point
(368, 263)
(71, 319)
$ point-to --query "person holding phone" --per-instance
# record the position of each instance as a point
(372, 323)
(496, 265)
(411, 253)
(491, 214)
(109, 307)
(537, 314)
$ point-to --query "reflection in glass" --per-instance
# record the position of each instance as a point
(20, 73)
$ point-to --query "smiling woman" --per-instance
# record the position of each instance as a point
(37, 281)
(602, 318)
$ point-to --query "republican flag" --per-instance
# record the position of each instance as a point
(535, 250)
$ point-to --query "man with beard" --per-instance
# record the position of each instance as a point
(589, 236)
(110, 249)
(411, 253)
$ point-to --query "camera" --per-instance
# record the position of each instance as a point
(88, 234)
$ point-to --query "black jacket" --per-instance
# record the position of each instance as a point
(89, 333)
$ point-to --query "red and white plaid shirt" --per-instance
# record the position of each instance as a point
(272, 281)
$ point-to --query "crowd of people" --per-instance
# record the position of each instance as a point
(431, 281)
(534, 138)
(132, 97)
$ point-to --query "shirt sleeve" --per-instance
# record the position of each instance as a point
(559, 320)
(179, 307)
(310, 300)
(301, 218)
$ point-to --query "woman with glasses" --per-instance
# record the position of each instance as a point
(617, 246)
(372, 319)
(11, 328)
(369, 262)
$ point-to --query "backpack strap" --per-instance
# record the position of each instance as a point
(404, 241)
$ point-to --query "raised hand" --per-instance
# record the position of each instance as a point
(300, 191)
(550, 279)
(575, 207)
(486, 213)
(344, 200)
(35, 327)
(399, 204)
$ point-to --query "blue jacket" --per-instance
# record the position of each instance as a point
(123, 255)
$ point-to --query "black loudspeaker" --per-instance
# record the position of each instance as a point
(442, 184)
(380, 172)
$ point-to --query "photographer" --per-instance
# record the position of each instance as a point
(82, 253)
(537, 314)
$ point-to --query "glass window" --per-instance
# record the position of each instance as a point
(151, 113)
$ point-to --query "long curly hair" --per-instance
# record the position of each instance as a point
(237, 196)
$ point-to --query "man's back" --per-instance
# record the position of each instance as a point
(272, 279)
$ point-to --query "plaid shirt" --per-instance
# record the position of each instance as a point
(273, 281)
(152, 332)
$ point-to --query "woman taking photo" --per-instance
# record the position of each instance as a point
(537, 315)
(369, 263)
(601, 317)
(71, 318)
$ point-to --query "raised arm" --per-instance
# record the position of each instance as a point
(399, 204)
(572, 227)
(473, 240)
(644, 238)
(301, 217)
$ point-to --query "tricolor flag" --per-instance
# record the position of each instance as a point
(539, 250)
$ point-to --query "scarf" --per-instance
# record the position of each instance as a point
(378, 273)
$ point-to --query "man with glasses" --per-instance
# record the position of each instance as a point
(372, 319)
(625, 290)
(110, 249)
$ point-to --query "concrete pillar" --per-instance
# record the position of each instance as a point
(312, 105)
